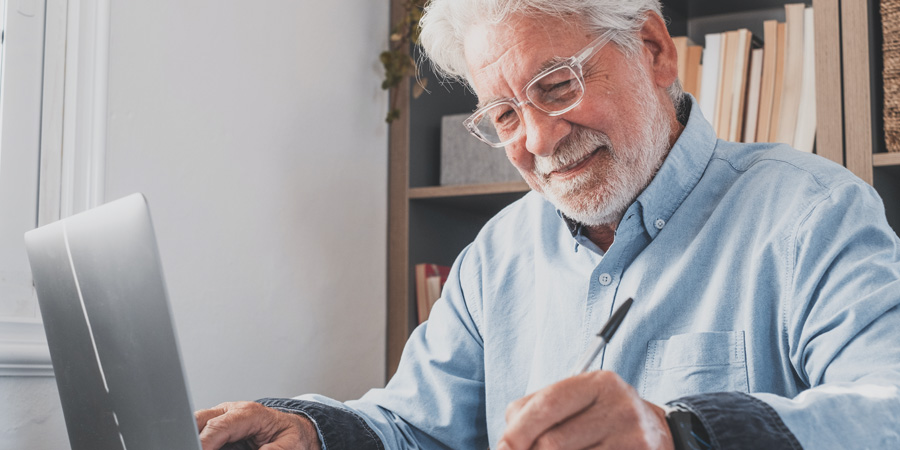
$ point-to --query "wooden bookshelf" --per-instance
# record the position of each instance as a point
(886, 159)
(432, 223)
(467, 190)
(398, 299)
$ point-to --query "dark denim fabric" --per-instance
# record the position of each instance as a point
(338, 428)
(735, 420)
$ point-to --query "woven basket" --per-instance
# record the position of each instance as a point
(890, 21)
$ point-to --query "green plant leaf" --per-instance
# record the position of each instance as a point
(393, 115)
(397, 61)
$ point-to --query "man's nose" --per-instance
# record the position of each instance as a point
(543, 132)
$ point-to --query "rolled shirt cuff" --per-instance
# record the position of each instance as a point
(339, 429)
(735, 420)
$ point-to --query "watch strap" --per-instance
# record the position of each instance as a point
(688, 432)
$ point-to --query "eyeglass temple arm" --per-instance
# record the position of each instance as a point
(595, 46)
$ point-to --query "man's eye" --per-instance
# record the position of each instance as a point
(561, 87)
(551, 95)
(504, 116)
(558, 87)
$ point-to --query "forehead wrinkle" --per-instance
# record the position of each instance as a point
(518, 70)
(499, 74)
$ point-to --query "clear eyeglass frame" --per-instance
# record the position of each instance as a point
(480, 121)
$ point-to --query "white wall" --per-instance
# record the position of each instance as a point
(30, 415)
(256, 131)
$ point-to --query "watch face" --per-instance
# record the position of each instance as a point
(687, 431)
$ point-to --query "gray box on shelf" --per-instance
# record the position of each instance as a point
(466, 160)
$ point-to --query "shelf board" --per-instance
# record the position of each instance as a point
(467, 189)
(886, 159)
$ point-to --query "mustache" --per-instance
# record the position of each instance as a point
(577, 145)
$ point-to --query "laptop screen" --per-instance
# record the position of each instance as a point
(112, 342)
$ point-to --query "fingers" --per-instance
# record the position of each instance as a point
(272, 429)
(532, 416)
(204, 415)
(228, 422)
(599, 426)
(577, 432)
(580, 412)
(232, 422)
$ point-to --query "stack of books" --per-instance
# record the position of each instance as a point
(430, 279)
(756, 90)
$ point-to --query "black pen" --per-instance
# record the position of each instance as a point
(603, 338)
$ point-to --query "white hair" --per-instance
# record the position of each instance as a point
(446, 22)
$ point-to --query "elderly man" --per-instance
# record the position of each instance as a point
(765, 280)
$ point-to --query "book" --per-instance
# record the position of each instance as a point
(681, 48)
(739, 88)
(692, 71)
(726, 84)
(430, 279)
(749, 88)
(711, 66)
(829, 81)
(805, 134)
(753, 88)
(779, 84)
(767, 87)
(793, 73)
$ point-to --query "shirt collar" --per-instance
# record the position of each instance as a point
(575, 228)
(680, 172)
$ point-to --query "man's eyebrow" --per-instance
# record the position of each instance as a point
(546, 65)
(488, 101)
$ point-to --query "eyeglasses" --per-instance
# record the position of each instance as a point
(554, 91)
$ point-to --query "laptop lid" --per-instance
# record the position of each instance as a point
(112, 341)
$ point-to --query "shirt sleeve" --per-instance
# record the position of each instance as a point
(435, 400)
(338, 428)
(841, 329)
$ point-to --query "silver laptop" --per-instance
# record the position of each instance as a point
(112, 342)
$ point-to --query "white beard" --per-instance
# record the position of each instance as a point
(600, 197)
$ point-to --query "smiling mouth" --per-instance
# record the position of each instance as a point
(575, 166)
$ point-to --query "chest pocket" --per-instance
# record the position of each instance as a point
(695, 363)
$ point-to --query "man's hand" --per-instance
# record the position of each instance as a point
(267, 428)
(591, 410)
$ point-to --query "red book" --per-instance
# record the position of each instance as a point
(430, 279)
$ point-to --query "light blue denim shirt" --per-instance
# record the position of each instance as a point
(754, 268)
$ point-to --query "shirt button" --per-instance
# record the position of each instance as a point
(660, 224)
(605, 279)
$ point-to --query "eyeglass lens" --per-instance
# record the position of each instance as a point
(552, 93)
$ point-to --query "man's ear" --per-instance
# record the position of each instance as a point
(658, 45)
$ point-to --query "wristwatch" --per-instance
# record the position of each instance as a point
(687, 430)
